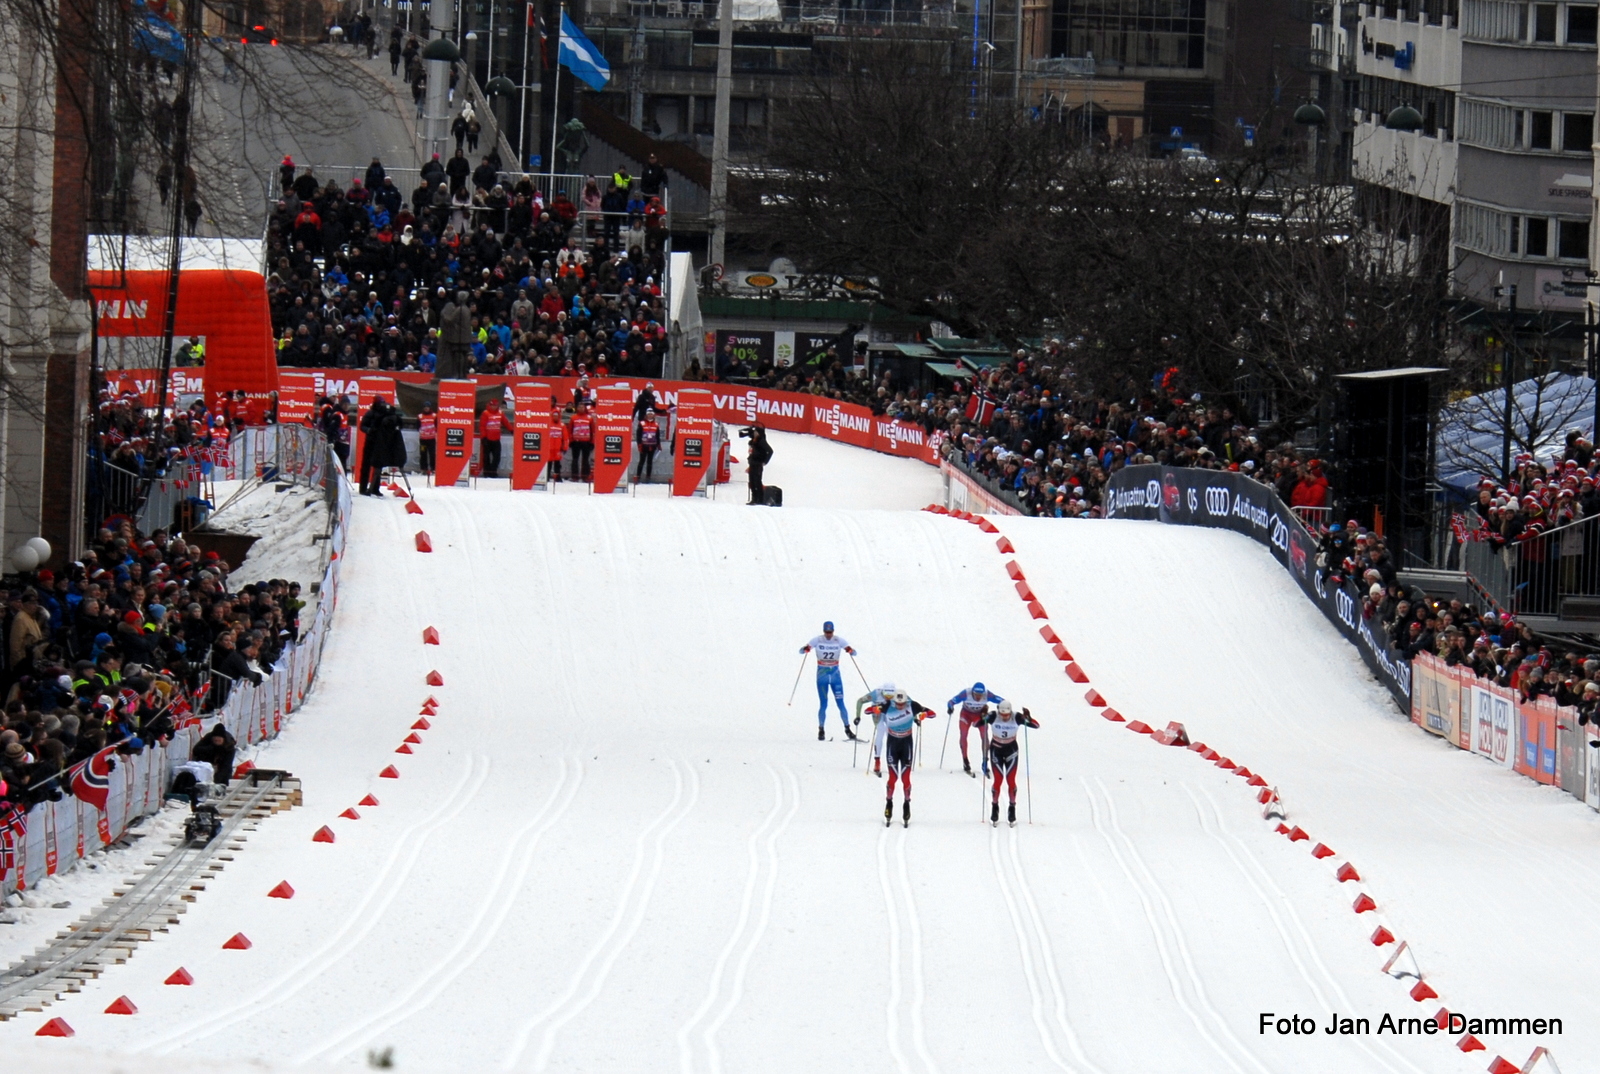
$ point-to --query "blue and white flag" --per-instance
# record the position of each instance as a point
(580, 56)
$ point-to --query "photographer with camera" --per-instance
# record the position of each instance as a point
(760, 454)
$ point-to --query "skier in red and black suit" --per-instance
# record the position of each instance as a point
(1003, 723)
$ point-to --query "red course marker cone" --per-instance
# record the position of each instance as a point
(244, 770)
(1264, 796)
(180, 976)
(430, 636)
(1321, 851)
(123, 1005)
(413, 508)
(1364, 903)
(1005, 546)
(421, 725)
(389, 773)
(1048, 634)
(414, 738)
(282, 891)
(1421, 991)
(1014, 571)
(435, 679)
(1112, 714)
(1093, 697)
(1023, 591)
(1347, 872)
(55, 1027)
(403, 748)
(1036, 610)
(423, 543)
(1139, 727)
(398, 491)
(986, 526)
(351, 814)
(1500, 1066)
(1223, 762)
(1469, 1043)
(1257, 781)
(238, 942)
(1061, 653)
(368, 801)
(1297, 834)
(1382, 936)
(324, 835)
(1076, 673)
(1243, 772)
(1282, 828)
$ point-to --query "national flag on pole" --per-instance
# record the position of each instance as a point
(580, 56)
(92, 780)
(536, 23)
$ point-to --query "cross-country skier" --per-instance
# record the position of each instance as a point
(974, 702)
(893, 739)
(1003, 723)
(874, 703)
(829, 646)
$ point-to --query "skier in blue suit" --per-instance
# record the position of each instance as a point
(829, 647)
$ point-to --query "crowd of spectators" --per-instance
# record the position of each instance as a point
(120, 646)
(362, 272)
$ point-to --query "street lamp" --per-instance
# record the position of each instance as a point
(1404, 118)
(441, 48)
(1310, 115)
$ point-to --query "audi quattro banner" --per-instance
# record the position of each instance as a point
(529, 433)
(1224, 500)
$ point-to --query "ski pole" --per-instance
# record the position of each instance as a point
(797, 675)
(858, 672)
(1027, 773)
(949, 719)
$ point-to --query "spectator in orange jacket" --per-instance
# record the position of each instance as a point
(490, 424)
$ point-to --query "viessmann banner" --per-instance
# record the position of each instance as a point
(1224, 500)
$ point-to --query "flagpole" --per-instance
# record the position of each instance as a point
(555, 100)
(522, 112)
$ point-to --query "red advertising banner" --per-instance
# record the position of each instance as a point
(692, 442)
(1536, 746)
(456, 419)
(146, 384)
(368, 389)
(297, 398)
(613, 443)
(844, 422)
(899, 438)
(788, 412)
(530, 434)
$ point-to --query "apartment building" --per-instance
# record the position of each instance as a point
(1480, 113)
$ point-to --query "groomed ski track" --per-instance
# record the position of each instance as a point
(617, 849)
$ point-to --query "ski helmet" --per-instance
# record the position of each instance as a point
(899, 697)
(977, 688)
(827, 628)
(887, 689)
(1005, 708)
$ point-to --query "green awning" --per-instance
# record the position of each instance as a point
(948, 369)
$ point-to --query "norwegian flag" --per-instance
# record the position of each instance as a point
(13, 828)
(114, 435)
(980, 408)
(91, 781)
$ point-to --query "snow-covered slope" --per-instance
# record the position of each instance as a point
(619, 849)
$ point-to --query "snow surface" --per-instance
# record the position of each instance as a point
(290, 525)
(619, 849)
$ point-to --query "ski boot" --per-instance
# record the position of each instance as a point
(888, 812)
(851, 735)
(820, 735)
(994, 813)
(986, 768)
(905, 814)
(877, 767)
(966, 766)
(1011, 814)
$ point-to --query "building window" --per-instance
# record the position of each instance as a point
(1538, 232)
(1574, 240)
(1582, 24)
(1577, 132)
(1516, 234)
(1544, 23)
(1540, 129)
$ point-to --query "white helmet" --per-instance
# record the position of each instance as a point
(1005, 708)
(887, 689)
(900, 697)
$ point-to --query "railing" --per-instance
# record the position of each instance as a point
(1006, 496)
(1316, 519)
(1533, 576)
(288, 454)
(894, 13)
(151, 502)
